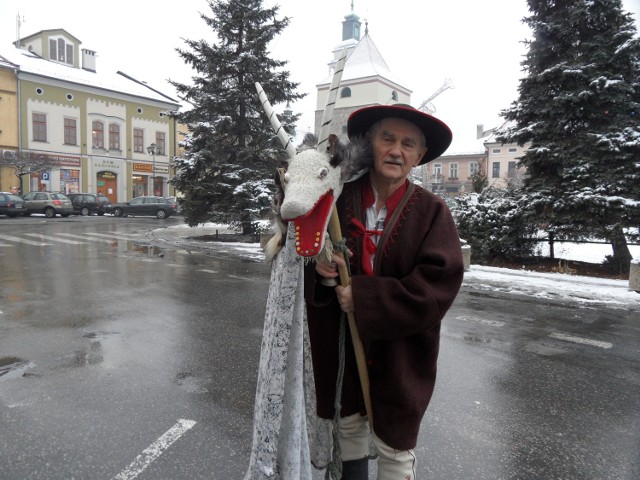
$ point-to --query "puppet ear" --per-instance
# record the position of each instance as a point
(332, 144)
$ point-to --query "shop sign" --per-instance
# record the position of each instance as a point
(63, 160)
(108, 164)
(142, 167)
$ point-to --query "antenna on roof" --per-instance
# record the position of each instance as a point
(18, 23)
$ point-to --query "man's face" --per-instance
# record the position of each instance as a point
(398, 146)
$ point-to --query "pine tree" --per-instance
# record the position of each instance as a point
(579, 107)
(230, 151)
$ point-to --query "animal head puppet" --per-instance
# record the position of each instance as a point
(312, 180)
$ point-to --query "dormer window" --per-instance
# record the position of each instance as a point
(61, 51)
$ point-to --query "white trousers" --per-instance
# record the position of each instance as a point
(353, 435)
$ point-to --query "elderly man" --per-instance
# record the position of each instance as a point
(406, 266)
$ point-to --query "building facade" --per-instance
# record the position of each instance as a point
(502, 162)
(8, 122)
(94, 132)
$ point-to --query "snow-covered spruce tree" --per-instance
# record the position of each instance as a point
(579, 106)
(495, 225)
(231, 152)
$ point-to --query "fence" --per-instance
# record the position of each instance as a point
(551, 240)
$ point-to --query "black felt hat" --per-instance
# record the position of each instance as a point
(436, 133)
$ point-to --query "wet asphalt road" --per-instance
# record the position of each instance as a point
(110, 345)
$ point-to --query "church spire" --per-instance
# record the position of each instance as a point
(351, 26)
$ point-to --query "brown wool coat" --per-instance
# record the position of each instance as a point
(417, 274)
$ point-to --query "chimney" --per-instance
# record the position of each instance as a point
(88, 60)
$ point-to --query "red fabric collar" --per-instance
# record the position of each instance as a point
(368, 197)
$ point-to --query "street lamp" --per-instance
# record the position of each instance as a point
(151, 149)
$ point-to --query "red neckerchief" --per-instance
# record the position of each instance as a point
(369, 247)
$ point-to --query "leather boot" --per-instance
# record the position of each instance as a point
(355, 469)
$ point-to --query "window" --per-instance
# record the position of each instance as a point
(53, 49)
(474, 168)
(114, 136)
(453, 170)
(39, 127)
(437, 170)
(160, 144)
(69, 57)
(61, 51)
(496, 170)
(511, 172)
(70, 131)
(346, 92)
(513, 150)
(138, 140)
(394, 96)
(496, 150)
(98, 134)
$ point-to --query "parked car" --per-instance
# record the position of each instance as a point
(104, 203)
(84, 203)
(12, 205)
(146, 206)
(49, 203)
(88, 203)
(178, 206)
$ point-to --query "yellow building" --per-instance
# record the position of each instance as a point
(95, 131)
(8, 121)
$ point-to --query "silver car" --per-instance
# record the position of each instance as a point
(49, 203)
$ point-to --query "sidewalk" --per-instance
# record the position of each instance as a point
(553, 286)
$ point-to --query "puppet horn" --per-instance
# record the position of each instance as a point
(283, 136)
(323, 136)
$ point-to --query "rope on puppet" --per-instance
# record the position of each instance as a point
(334, 468)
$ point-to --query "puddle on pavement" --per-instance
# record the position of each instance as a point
(13, 367)
(85, 356)
(143, 249)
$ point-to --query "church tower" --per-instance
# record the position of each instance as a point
(366, 79)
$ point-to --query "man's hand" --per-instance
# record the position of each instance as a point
(331, 270)
(345, 298)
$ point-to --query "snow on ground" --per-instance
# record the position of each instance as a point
(554, 286)
(558, 286)
(583, 252)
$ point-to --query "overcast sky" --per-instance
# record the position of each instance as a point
(478, 45)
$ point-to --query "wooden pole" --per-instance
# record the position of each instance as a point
(335, 232)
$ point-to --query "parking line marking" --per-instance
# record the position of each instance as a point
(23, 240)
(71, 235)
(112, 235)
(582, 341)
(54, 239)
(154, 450)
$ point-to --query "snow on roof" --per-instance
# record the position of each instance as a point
(31, 63)
(492, 138)
(366, 61)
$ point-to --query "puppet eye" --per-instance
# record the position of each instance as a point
(285, 177)
(324, 171)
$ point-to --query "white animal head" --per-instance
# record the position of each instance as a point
(312, 183)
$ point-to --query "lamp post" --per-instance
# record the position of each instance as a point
(151, 149)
